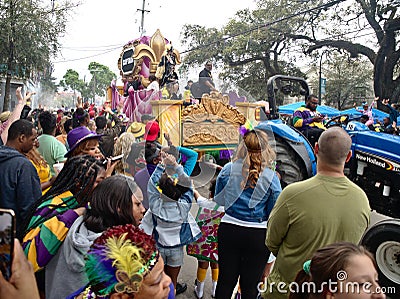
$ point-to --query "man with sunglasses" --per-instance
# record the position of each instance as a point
(308, 120)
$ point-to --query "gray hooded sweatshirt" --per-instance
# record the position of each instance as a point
(65, 273)
(19, 184)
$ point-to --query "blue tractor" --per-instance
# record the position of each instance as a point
(374, 166)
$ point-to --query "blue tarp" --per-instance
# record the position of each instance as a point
(331, 112)
(377, 114)
(326, 110)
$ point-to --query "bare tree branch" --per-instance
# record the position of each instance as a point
(352, 48)
(369, 12)
(245, 61)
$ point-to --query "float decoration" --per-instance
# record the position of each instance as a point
(139, 57)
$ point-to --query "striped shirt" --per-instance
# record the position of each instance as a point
(46, 235)
(303, 119)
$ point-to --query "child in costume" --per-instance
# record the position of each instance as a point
(205, 249)
(367, 110)
(168, 217)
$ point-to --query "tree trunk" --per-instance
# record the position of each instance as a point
(10, 60)
(7, 93)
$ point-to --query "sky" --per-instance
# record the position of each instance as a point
(98, 29)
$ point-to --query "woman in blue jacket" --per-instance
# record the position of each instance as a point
(248, 189)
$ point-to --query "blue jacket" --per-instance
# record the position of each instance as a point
(170, 221)
(142, 177)
(20, 184)
(250, 204)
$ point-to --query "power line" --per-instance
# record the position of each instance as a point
(337, 36)
(91, 56)
(258, 27)
(87, 48)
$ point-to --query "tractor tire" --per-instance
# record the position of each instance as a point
(289, 164)
(383, 241)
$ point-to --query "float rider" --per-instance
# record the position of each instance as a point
(308, 120)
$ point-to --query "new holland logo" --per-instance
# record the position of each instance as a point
(377, 161)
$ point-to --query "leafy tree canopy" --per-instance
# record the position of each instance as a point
(101, 79)
(29, 36)
(246, 59)
(281, 35)
(366, 28)
(348, 80)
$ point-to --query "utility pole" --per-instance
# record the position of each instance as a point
(320, 78)
(94, 88)
(141, 29)
(10, 58)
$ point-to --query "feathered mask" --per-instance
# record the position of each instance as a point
(118, 261)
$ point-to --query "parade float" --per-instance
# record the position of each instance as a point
(211, 125)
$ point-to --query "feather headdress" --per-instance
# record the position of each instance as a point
(119, 259)
(246, 128)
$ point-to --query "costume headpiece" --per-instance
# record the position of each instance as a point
(246, 128)
(169, 48)
(77, 136)
(118, 261)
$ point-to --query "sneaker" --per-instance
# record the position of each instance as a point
(196, 293)
(199, 289)
(214, 289)
(180, 288)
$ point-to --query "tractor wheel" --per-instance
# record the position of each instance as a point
(289, 164)
(383, 241)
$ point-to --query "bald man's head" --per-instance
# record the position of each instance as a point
(333, 146)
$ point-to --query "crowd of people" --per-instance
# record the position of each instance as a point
(95, 227)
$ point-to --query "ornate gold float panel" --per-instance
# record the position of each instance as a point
(213, 122)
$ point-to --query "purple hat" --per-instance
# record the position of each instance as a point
(78, 135)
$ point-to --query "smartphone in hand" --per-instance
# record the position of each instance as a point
(7, 235)
(113, 159)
